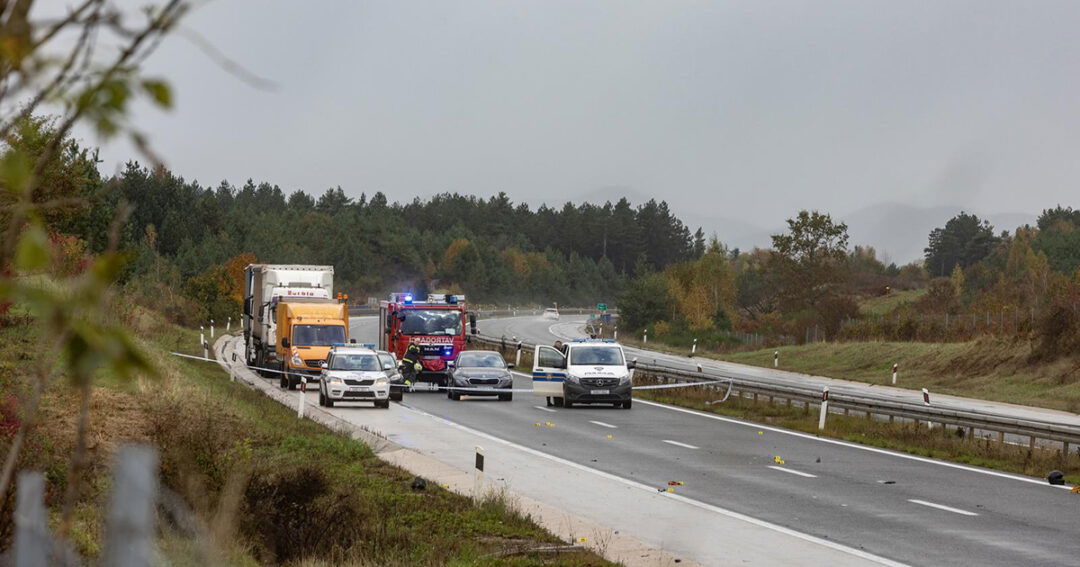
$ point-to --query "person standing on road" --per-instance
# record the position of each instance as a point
(411, 361)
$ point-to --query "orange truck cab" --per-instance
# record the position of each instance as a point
(306, 330)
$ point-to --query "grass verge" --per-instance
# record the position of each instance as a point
(938, 443)
(256, 485)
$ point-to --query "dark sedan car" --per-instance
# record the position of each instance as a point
(483, 373)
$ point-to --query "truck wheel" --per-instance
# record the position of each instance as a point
(283, 381)
(397, 396)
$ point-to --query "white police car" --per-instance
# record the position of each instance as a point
(353, 373)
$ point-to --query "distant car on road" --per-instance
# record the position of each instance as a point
(390, 367)
(353, 374)
(484, 372)
(551, 313)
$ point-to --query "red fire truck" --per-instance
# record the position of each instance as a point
(437, 324)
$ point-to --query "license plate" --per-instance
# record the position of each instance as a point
(600, 392)
(357, 389)
(482, 387)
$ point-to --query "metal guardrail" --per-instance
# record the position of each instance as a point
(971, 420)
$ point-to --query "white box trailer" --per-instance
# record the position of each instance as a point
(267, 284)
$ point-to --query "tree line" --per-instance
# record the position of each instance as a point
(195, 237)
(812, 283)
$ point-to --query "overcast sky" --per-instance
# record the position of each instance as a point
(744, 110)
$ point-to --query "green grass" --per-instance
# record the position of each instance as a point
(882, 304)
(990, 369)
(270, 489)
(916, 439)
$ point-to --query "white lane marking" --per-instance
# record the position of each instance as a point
(602, 424)
(852, 445)
(680, 444)
(792, 471)
(942, 507)
(652, 490)
(542, 408)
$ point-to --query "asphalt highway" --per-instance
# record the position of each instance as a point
(901, 507)
(541, 331)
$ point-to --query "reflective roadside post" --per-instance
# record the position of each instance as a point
(693, 349)
(478, 475)
(824, 408)
(211, 328)
(646, 339)
(228, 324)
(300, 397)
(776, 359)
(517, 357)
(895, 368)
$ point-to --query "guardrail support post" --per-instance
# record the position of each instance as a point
(824, 408)
(1001, 437)
(1064, 452)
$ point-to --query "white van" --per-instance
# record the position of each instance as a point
(588, 371)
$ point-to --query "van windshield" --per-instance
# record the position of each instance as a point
(596, 355)
(318, 335)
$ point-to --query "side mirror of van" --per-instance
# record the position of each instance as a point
(472, 323)
(631, 365)
(323, 364)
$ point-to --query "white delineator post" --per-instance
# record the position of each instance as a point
(824, 408)
(300, 397)
(517, 357)
(693, 348)
(202, 342)
(478, 474)
(776, 359)
(211, 328)
(615, 333)
(926, 402)
(895, 368)
(646, 339)
(228, 325)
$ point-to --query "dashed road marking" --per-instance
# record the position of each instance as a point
(542, 408)
(792, 471)
(602, 424)
(688, 446)
(943, 507)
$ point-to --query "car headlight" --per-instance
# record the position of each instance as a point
(625, 379)
(384, 381)
(573, 379)
(336, 381)
(296, 361)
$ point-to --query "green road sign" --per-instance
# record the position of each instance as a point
(601, 306)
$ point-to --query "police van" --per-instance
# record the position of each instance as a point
(586, 371)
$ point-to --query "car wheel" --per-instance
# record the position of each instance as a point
(506, 397)
(627, 403)
(558, 402)
(455, 396)
(282, 383)
(329, 402)
(322, 399)
(567, 403)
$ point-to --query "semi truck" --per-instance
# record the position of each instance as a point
(291, 319)
(437, 325)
